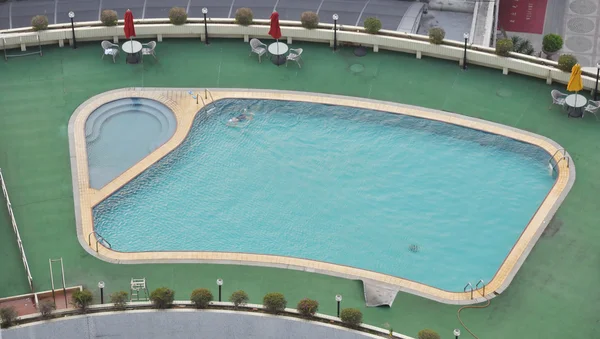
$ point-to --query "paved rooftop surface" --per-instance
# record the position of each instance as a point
(553, 293)
(14, 14)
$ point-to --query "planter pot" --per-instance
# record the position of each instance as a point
(549, 55)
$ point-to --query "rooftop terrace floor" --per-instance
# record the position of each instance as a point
(553, 293)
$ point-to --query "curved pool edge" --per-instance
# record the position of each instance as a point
(185, 110)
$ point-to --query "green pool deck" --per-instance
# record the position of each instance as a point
(553, 295)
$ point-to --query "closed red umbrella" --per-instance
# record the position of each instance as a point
(275, 31)
(129, 28)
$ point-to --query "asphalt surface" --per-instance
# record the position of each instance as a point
(18, 13)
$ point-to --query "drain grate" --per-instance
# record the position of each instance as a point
(357, 68)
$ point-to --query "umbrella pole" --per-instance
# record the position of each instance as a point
(277, 41)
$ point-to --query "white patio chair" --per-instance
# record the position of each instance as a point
(593, 107)
(558, 98)
(257, 48)
(110, 49)
(294, 56)
(148, 49)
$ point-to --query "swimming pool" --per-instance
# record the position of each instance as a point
(428, 201)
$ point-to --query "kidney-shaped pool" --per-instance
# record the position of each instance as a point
(424, 200)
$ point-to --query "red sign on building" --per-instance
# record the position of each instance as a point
(525, 16)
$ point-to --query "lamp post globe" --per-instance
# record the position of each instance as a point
(456, 333)
(204, 10)
(71, 14)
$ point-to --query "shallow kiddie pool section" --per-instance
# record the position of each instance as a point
(432, 202)
(121, 133)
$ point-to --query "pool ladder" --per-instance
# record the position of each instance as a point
(99, 238)
(565, 157)
(469, 287)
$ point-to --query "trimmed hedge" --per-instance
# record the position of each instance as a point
(566, 62)
(428, 334)
(201, 297)
(274, 302)
(178, 16)
(372, 25)
(46, 307)
(552, 43)
(109, 17)
(351, 316)
(239, 298)
(119, 299)
(436, 35)
(244, 16)
(309, 20)
(162, 297)
(82, 299)
(8, 316)
(39, 23)
(307, 307)
(504, 47)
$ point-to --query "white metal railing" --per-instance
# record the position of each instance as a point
(16, 230)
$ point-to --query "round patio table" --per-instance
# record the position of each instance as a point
(575, 103)
(132, 48)
(278, 49)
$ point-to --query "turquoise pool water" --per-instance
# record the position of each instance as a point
(426, 201)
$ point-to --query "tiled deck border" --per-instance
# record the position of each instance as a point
(185, 109)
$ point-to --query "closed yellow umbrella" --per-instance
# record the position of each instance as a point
(575, 83)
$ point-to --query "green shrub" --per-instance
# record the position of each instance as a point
(162, 297)
(82, 299)
(309, 20)
(351, 316)
(201, 297)
(39, 23)
(177, 16)
(46, 307)
(521, 45)
(428, 334)
(109, 17)
(504, 47)
(119, 299)
(308, 307)
(372, 25)
(552, 43)
(274, 302)
(436, 35)
(566, 62)
(239, 298)
(8, 316)
(244, 16)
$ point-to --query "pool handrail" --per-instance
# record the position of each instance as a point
(564, 157)
(98, 239)
(483, 286)
(468, 285)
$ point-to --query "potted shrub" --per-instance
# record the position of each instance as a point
(551, 44)
(8, 316)
(162, 297)
(436, 35)
(244, 16)
(309, 20)
(522, 46)
(428, 334)
(274, 302)
(82, 299)
(201, 297)
(351, 317)
(239, 298)
(39, 23)
(46, 307)
(504, 47)
(119, 299)
(372, 25)
(177, 16)
(307, 307)
(109, 17)
(566, 62)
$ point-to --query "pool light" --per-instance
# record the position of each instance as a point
(101, 287)
(456, 333)
(220, 284)
(338, 298)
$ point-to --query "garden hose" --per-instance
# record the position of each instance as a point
(471, 306)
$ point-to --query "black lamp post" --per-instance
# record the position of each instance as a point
(72, 16)
(456, 333)
(338, 298)
(101, 287)
(220, 283)
(335, 19)
(466, 36)
(204, 12)
(597, 78)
